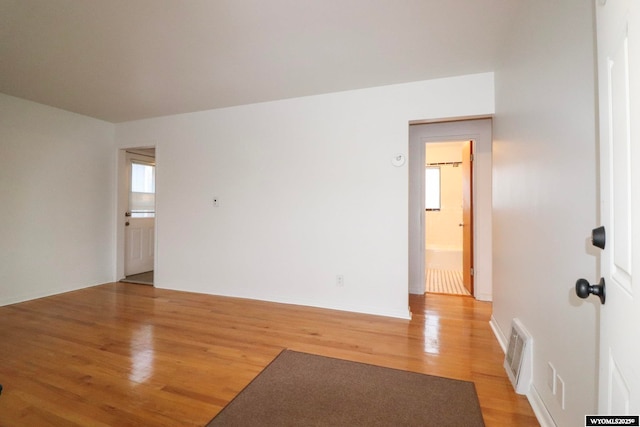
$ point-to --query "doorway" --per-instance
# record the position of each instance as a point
(136, 215)
(448, 218)
(479, 266)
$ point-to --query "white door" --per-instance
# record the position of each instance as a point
(140, 221)
(618, 26)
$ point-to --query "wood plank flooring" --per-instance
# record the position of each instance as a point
(132, 355)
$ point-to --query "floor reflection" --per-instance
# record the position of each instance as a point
(432, 335)
(142, 354)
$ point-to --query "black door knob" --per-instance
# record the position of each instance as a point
(598, 237)
(584, 289)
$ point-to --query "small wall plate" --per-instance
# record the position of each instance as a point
(398, 160)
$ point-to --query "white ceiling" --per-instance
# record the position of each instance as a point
(121, 60)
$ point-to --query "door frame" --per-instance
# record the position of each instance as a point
(122, 205)
(477, 129)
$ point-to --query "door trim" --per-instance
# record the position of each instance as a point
(478, 130)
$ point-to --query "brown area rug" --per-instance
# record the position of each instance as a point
(300, 389)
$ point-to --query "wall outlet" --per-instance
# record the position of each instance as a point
(340, 280)
(560, 391)
(551, 377)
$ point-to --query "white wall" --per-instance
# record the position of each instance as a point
(307, 191)
(56, 200)
(544, 197)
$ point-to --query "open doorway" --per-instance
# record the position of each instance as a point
(448, 218)
(478, 226)
(137, 215)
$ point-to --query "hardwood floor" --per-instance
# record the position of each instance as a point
(132, 355)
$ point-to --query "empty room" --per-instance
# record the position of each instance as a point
(214, 212)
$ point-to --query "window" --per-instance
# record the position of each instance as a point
(432, 188)
(142, 198)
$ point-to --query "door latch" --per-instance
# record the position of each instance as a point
(598, 237)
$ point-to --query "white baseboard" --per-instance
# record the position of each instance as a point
(539, 409)
(15, 299)
(484, 297)
(502, 339)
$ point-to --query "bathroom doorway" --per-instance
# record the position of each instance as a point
(448, 218)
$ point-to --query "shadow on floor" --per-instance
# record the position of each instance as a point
(142, 278)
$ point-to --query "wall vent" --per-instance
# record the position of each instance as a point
(518, 360)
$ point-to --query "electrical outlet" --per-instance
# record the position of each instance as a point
(560, 391)
(551, 378)
(340, 280)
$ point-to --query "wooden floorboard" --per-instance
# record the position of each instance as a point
(132, 355)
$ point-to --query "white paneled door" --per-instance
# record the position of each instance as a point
(618, 27)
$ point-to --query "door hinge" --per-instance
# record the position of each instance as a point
(472, 272)
(471, 157)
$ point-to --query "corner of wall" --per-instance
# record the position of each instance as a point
(484, 297)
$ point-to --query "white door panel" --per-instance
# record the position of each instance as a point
(618, 71)
(139, 245)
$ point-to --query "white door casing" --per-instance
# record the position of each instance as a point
(479, 130)
(618, 28)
